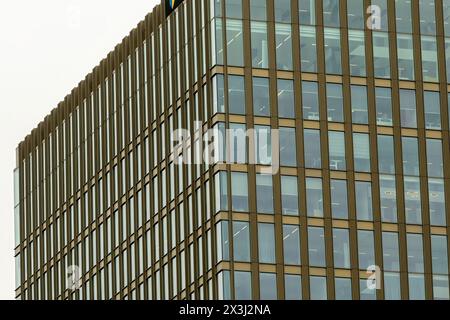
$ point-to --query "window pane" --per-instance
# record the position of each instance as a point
(388, 198)
(223, 243)
(355, 14)
(259, 44)
(382, 4)
(267, 286)
(434, 158)
(266, 243)
(282, 11)
(236, 94)
(366, 254)
(410, 153)
(361, 152)
(381, 54)
(416, 283)
(239, 191)
(440, 288)
(386, 161)
(217, 39)
(339, 206)
(291, 244)
(261, 104)
(289, 195)
(307, 11)
(341, 248)
(332, 50)
(292, 287)
(318, 288)
(432, 106)
(405, 53)
(427, 17)
(264, 193)
(413, 210)
(429, 59)
(359, 104)
(343, 288)
(235, 51)
(415, 252)
(403, 16)
(391, 260)
(288, 155)
(331, 13)
(439, 254)
(283, 40)
(384, 106)
(310, 100)
(408, 108)
(365, 292)
(263, 144)
(308, 48)
(436, 195)
(392, 286)
(241, 241)
(316, 247)
(357, 53)
(335, 102)
(218, 94)
(363, 192)
(220, 180)
(258, 10)
(233, 8)
(242, 285)
(312, 148)
(336, 147)
(285, 96)
(314, 197)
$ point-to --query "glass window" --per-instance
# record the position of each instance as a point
(236, 94)
(223, 243)
(365, 292)
(267, 286)
(239, 191)
(266, 243)
(335, 102)
(430, 70)
(405, 56)
(410, 154)
(241, 241)
(432, 107)
(427, 17)
(366, 253)
(264, 193)
(221, 192)
(357, 53)
(291, 244)
(260, 57)
(359, 104)
(381, 54)
(318, 288)
(310, 100)
(237, 143)
(336, 149)
(408, 108)
(413, 210)
(261, 102)
(384, 106)
(233, 9)
(218, 94)
(415, 252)
(282, 11)
(363, 192)
(434, 158)
(242, 285)
(292, 287)
(263, 144)
(403, 16)
(382, 4)
(316, 247)
(258, 10)
(436, 194)
(355, 14)
(217, 40)
(341, 248)
(331, 13)
(391, 261)
(386, 161)
(361, 152)
(343, 288)
(416, 283)
(308, 48)
(307, 11)
(440, 287)
(314, 197)
(339, 207)
(446, 7)
(332, 43)
(283, 47)
(312, 148)
(288, 154)
(223, 283)
(289, 195)
(285, 96)
(392, 286)
(388, 198)
(439, 254)
(235, 51)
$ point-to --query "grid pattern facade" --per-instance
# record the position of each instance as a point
(364, 153)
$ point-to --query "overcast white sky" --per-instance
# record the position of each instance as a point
(46, 48)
